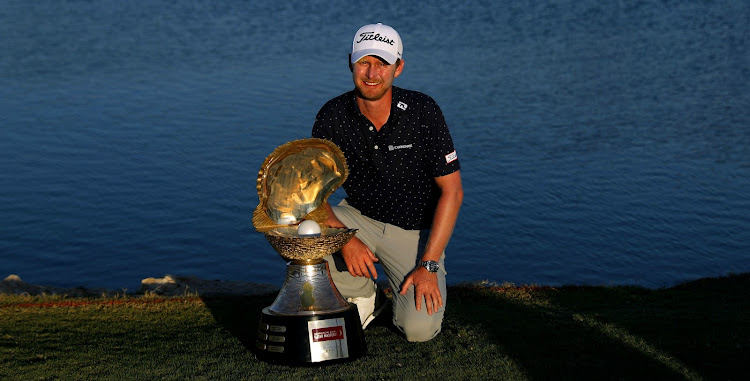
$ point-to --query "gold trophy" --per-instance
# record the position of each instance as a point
(309, 322)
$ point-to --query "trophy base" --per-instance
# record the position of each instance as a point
(306, 340)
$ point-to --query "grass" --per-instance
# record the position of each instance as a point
(699, 330)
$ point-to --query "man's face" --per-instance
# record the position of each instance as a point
(373, 77)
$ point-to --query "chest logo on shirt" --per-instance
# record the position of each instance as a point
(451, 157)
(404, 146)
(401, 105)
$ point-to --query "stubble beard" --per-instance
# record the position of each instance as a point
(370, 95)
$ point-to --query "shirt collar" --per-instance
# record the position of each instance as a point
(398, 104)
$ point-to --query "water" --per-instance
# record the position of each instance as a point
(600, 143)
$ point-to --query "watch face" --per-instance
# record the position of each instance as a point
(431, 266)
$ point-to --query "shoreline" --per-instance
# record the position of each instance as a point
(169, 285)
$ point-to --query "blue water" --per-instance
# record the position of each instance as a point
(600, 142)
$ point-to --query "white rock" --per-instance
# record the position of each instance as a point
(166, 280)
(13, 278)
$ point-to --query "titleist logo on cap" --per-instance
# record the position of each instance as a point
(369, 36)
(377, 40)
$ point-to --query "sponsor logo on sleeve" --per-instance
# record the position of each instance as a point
(451, 157)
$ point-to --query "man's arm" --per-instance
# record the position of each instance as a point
(360, 261)
(446, 213)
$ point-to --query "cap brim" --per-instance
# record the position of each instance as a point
(388, 57)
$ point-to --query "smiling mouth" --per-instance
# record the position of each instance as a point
(371, 83)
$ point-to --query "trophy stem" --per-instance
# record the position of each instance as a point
(308, 290)
(303, 262)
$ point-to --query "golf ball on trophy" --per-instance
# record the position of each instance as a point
(308, 228)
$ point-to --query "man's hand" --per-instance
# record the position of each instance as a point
(360, 261)
(425, 286)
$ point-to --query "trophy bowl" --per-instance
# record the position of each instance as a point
(291, 246)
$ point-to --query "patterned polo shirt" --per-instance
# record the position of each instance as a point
(391, 171)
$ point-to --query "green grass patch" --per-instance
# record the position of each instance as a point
(699, 330)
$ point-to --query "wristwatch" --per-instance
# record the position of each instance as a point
(431, 266)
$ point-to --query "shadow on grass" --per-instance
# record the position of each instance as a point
(703, 324)
(239, 315)
(700, 330)
(548, 343)
(694, 331)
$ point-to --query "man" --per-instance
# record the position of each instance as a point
(403, 191)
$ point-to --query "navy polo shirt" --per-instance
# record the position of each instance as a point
(391, 171)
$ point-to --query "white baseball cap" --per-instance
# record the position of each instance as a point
(377, 40)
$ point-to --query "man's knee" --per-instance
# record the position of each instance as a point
(420, 328)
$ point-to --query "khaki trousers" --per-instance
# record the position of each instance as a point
(398, 251)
